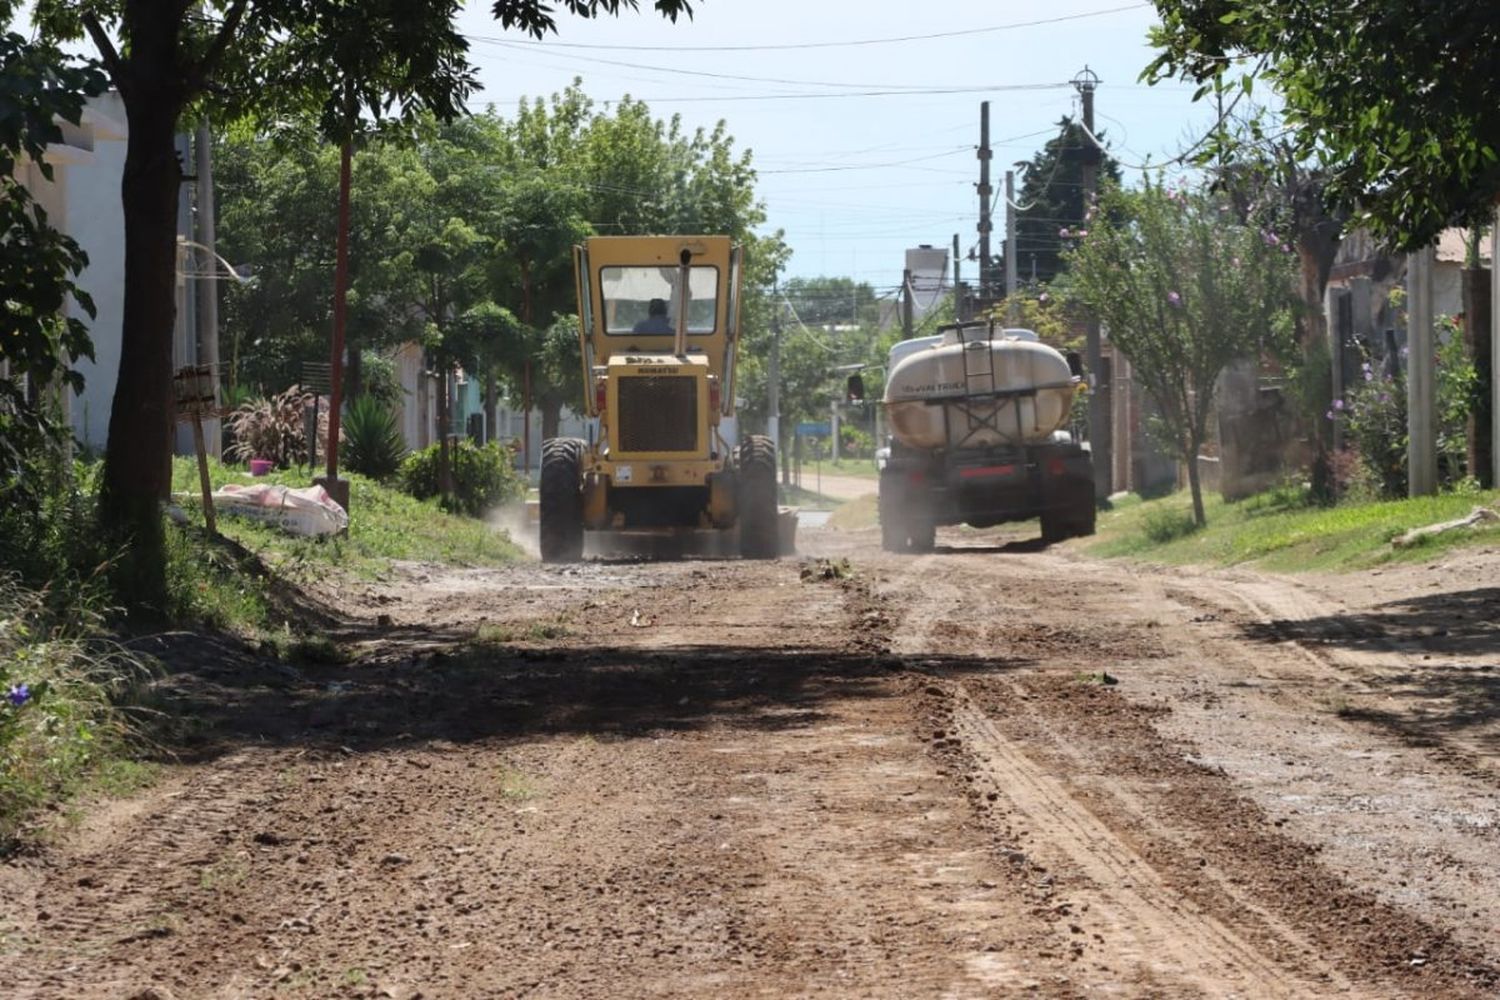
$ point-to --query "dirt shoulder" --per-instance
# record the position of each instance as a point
(987, 771)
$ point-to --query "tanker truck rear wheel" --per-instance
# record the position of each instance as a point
(757, 498)
(561, 495)
(905, 526)
(1071, 514)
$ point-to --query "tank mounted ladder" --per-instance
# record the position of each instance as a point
(982, 397)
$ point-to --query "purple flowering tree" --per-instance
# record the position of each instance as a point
(1183, 288)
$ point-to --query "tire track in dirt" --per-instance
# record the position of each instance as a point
(1164, 931)
(126, 894)
(1137, 922)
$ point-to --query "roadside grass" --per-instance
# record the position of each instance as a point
(800, 496)
(232, 587)
(864, 468)
(384, 525)
(857, 514)
(1281, 530)
(505, 634)
(70, 715)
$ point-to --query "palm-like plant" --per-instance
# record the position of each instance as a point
(372, 445)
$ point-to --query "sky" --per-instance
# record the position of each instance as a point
(852, 172)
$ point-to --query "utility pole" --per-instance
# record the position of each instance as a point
(1494, 333)
(773, 420)
(1012, 305)
(1099, 400)
(1421, 404)
(208, 297)
(906, 304)
(984, 201)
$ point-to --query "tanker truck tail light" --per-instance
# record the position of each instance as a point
(916, 478)
(1056, 467)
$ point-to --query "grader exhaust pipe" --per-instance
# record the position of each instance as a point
(684, 295)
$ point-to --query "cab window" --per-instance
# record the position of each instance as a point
(639, 300)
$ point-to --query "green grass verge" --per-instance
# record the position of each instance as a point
(68, 721)
(1279, 530)
(797, 496)
(213, 586)
(854, 515)
(863, 468)
(384, 524)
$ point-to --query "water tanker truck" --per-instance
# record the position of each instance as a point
(977, 419)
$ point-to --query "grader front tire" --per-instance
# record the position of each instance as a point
(561, 495)
(757, 506)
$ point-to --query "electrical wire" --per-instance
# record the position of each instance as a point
(515, 44)
(832, 45)
(935, 92)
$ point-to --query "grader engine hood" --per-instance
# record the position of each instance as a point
(659, 406)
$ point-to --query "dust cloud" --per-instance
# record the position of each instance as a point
(514, 520)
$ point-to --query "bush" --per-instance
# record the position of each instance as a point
(275, 429)
(483, 477)
(62, 688)
(1373, 411)
(372, 442)
(1162, 526)
(855, 443)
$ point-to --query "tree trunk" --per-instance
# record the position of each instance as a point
(551, 416)
(491, 403)
(1477, 313)
(445, 469)
(1199, 517)
(137, 469)
(355, 378)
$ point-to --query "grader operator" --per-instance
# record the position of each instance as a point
(658, 331)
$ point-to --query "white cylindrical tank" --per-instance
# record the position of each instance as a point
(935, 396)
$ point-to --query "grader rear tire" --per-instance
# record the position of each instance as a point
(757, 498)
(561, 495)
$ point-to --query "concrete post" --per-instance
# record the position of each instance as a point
(1335, 354)
(1495, 346)
(1421, 399)
(208, 293)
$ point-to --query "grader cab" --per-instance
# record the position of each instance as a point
(658, 331)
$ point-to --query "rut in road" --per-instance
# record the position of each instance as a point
(1178, 875)
(1140, 921)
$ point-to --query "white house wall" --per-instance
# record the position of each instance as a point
(95, 218)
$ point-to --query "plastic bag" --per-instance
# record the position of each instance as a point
(308, 511)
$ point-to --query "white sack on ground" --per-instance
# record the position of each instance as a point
(308, 511)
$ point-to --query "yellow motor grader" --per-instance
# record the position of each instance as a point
(658, 330)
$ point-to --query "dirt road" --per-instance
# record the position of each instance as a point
(983, 772)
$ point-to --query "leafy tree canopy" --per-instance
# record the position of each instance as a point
(1399, 106)
(1052, 193)
(1183, 288)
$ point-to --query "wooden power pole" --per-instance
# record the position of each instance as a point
(1099, 399)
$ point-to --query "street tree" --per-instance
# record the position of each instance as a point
(1052, 198)
(1184, 288)
(274, 215)
(1399, 108)
(233, 58)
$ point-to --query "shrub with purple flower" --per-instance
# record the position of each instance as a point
(1373, 412)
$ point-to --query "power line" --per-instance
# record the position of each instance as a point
(864, 166)
(513, 44)
(936, 91)
(826, 45)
